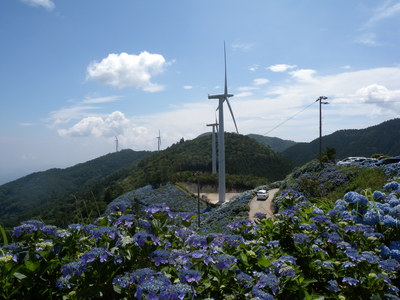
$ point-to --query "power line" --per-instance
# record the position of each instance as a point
(299, 112)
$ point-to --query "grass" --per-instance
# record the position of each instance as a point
(368, 178)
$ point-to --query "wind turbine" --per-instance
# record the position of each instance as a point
(116, 144)
(221, 136)
(214, 146)
(159, 140)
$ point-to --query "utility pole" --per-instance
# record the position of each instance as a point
(320, 124)
(214, 148)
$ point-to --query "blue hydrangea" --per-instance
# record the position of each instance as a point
(140, 238)
(301, 238)
(333, 286)
(350, 280)
(190, 276)
(379, 196)
(160, 256)
(73, 268)
(391, 186)
(101, 253)
(224, 261)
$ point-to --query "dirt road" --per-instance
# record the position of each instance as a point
(262, 206)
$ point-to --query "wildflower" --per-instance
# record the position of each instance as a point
(350, 280)
(190, 276)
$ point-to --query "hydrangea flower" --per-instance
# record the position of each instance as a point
(101, 253)
(333, 286)
(301, 238)
(391, 186)
(224, 261)
(160, 256)
(190, 276)
(350, 280)
(142, 237)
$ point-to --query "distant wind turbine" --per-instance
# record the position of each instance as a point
(116, 144)
(214, 146)
(221, 135)
(159, 140)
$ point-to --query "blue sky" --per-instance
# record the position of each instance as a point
(75, 74)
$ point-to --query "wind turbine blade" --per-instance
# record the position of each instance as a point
(233, 117)
(226, 80)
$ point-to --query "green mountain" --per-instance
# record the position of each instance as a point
(274, 143)
(383, 138)
(246, 160)
(25, 197)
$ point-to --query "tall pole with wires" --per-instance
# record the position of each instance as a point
(320, 124)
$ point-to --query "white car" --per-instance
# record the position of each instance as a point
(262, 195)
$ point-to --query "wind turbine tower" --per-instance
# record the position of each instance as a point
(221, 136)
(214, 147)
(159, 141)
(116, 144)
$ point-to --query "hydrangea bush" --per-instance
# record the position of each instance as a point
(349, 252)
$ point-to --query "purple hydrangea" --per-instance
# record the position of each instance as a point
(333, 286)
(301, 238)
(73, 268)
(160, 256)
(190, 276)
(140, 238)
(125, 220)
(224, 261)
(350, 280)
(101, 253)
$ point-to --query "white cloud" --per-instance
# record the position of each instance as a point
(253, 68)
(368, 39)
(48, 4)
(101, 99)
(303, 75)
(242, 46)
(357, 99)
(125, 70)
(26, 124)
(187, 87)
(385, 11)
(247, 88)
(281, 67)
(243, 94)
(260, 81)
(114, 124)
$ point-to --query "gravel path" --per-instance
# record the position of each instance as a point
(265, 207)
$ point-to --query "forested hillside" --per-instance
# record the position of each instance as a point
(23, 197)
(247, 162)
(274, 143)
(383, 138)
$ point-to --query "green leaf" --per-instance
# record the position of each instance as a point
(263, 261)
(31, 266)
(20, 276)
(243, 259)
(3, 233)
